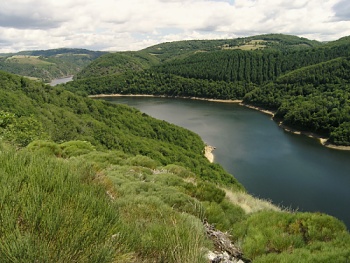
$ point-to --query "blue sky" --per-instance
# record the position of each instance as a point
(118, 25)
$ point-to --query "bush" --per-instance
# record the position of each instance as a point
(45, 147)
(206, 191)
(144, 161)
(293, 237)
(223, 215)
(76, 148)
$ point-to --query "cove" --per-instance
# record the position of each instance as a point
(291, 170)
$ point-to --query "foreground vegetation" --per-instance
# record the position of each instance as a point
(86, 181)
(69, 202)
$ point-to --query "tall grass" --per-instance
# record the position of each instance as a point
(52, 212)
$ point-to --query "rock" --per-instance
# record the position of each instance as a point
(225, 250)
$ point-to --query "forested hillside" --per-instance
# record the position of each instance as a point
(181, 49)
(120, 62)
(46, 65)
(67, 116)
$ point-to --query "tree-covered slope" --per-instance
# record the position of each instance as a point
(155, 83)
(67, 116)
(120, 62)
(181, 49)
(48, 64)
(314, 98)
(257, 66)
(116, 63)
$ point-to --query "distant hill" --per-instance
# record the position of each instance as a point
(47, 64)
(179, 49)
(119, 62)
(189, 50)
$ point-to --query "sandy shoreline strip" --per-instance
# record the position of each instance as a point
(208, 153)
(322, 140)
(162, 96)
(268, 112)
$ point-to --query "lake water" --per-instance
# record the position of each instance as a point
(291, 170)
(55, 82)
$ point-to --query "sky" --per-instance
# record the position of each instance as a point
(120, 25)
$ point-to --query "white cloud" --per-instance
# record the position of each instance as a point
(134, 24)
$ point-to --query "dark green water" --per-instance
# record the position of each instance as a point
(291, 170)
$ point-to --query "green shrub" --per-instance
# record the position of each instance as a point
(45, 147)
(76, 148)
(223, 215)
(179, 170)
(206, 191)
(292, 237)
(20, 130)
(144, 161)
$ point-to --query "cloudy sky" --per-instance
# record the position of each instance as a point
(118, 25)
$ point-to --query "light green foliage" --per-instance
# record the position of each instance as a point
(145, 161)
(20, 130)
(50, 212)
(76, 148)
(179, 170)
(223, 215)
(289, 237)
(159, 234)
(46, 147)
(206, 191)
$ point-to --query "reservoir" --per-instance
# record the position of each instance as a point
(55, 82)
(292, 171)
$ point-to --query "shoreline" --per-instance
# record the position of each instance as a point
(268, 112)
(161, 96)
(321, 139)
(208, 153)
(208, 149)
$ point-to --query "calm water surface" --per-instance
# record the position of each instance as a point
(291, 170)
(55, 82)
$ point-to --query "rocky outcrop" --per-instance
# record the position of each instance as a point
(225, 250)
